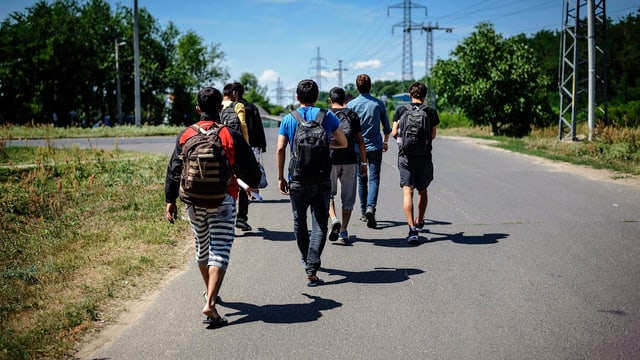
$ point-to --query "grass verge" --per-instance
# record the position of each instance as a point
(80, 228)
(612, 149)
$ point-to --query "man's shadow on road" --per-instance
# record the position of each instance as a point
(270, 235)
(380, 275)
(426, 237)
(460, 238)
(280, 314)
(383, 224)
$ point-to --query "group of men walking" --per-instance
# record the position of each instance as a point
(336, 151)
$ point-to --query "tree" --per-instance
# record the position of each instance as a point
(495, 81)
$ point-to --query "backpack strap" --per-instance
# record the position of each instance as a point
(296, 115)
(320, 116)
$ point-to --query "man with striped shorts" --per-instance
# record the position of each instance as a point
(213, 228)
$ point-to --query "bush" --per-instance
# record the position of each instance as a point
(625, 115)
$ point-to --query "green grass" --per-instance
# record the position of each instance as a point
(612, 149)
(49, 132)
(81, 228)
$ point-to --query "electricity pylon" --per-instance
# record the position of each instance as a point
(407, 25)
(582, 69)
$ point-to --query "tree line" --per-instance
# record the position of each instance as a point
(57, 64)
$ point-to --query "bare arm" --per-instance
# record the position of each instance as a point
(394, 130)
(363, 154)
(433, 133)
(281, 151)
(338, 139)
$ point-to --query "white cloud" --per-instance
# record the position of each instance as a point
(369, 64)
(268, 76)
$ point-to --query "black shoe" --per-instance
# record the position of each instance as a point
(371, 218)
(413, 238)
(243, 225)
(335, 230)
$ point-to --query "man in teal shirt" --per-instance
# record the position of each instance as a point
(373, 114)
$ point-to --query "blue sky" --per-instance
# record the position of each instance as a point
(281, 39)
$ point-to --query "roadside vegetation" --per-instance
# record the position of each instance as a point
(81, 231)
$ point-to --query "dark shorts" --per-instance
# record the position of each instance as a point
(416, 172)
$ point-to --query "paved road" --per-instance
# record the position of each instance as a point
(519, 261)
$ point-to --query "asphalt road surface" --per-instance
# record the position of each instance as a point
(518, 261)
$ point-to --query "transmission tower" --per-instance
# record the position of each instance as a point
(407, 25)
(279, 92)
(318, 59)
(583, 68)
(429, 55)
(340, 69)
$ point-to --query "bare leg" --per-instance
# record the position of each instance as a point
(216, 275)
(423, 200)
(204, 272)
(346, 216)
(407, 203)
(332, 209)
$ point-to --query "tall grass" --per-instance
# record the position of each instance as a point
(79, 227)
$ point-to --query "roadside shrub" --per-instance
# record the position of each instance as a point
(625, 115)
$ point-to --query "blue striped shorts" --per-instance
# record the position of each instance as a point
(213, 231)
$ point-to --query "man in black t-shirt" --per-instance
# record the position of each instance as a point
(416, 170)
(345, 165)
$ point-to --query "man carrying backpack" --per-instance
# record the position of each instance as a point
(258, 142)
(233, 112)
(414, 128)
(203, 170)
(345, 165)
(306, 131)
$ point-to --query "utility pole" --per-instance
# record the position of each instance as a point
(340, 69)
(319, 68)
(406, 25)
(429, 62)
(136, 63)
(118, 91)
(583, 69)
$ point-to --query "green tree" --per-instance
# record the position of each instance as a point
(495, 81)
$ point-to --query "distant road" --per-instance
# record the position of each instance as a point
(519, 261)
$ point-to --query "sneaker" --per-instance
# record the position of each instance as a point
(335, 230)
(371, 218)
(363, 218)
(242, 225)
(413, 238)
(419, 223)
(343, 237)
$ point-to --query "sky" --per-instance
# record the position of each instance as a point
(284, 41)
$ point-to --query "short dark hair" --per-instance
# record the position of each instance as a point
(228, 90)
(418, 90)
(209, 100)
(239, 89)
(337, 95)
(363, 83)
(307, 91)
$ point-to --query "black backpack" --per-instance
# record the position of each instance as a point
(229, 117)
(206, 172)
(345, 123)
(310, 160)
(413, 131)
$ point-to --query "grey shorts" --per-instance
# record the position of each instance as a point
(416, 172)
(347, 174)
